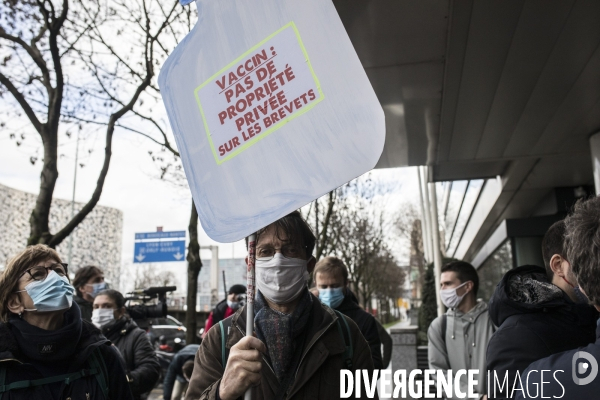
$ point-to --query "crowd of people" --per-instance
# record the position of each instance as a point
(537, 319)
(63, 339)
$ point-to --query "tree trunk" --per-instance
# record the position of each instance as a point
(40, 216)
(194, 267)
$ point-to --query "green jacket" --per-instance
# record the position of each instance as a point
(317, 376)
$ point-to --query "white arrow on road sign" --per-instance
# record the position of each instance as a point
(140, 257)
(178, 256)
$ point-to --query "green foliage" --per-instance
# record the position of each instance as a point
(428, 310)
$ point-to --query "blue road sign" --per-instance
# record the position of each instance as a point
(148, 252)
(160, 235)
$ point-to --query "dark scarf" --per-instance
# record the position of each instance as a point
(283, 334)
(48, 346)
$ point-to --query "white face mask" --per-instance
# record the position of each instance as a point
(281, 279)
(102, 316)
(234, 305)
(450, 298)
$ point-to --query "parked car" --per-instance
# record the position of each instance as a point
(168, 327)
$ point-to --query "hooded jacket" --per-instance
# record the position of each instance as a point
(366, 324)
(535, 319)
(560, 373)
(140, 359)
(29, 353)
(175, 368)
(464, 343)
(317, 375)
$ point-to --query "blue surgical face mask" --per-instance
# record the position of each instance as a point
(52, 294)
(331, 297)
(97, 288)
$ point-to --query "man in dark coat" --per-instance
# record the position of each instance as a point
(386, 342)
(298, 351)
(572, 375)
(538, 314)
(331, 279)
(226, 307)
(175, 372)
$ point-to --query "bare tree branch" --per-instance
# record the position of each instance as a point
(22, 102)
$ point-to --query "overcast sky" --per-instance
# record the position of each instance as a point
(132, 186)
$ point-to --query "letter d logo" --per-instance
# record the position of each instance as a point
(581, 368)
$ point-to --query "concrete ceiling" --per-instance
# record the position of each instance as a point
(476, 88)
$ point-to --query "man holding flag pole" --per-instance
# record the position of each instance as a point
(271, 108)
(299, 346)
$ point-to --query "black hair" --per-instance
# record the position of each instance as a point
(295, 229)
(237, 289)
(464, 272)
(553, 243)
(115, 296)
(582, 245)
(84, 274)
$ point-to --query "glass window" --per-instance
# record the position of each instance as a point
(493, 269)
(457, 193)
(470, 199)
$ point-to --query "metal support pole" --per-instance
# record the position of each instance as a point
(250, 295)
(427, 214)
(423, 217)
(214, 273)
(437, 254)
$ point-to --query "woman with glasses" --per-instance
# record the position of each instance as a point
(110, 316)
(46, 350)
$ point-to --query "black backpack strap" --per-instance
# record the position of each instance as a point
(97, 362)
(97, 368)
(349, 352)
(225, 325)
(66, 378)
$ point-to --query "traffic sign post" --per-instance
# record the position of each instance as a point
(161, 250)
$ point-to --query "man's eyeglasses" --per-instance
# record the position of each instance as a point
(288, 251)
(39, 273)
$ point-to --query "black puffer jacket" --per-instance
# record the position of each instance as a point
(366, 324)
(142, 364)
(31, 353)
(535, 319)
(560, 383)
